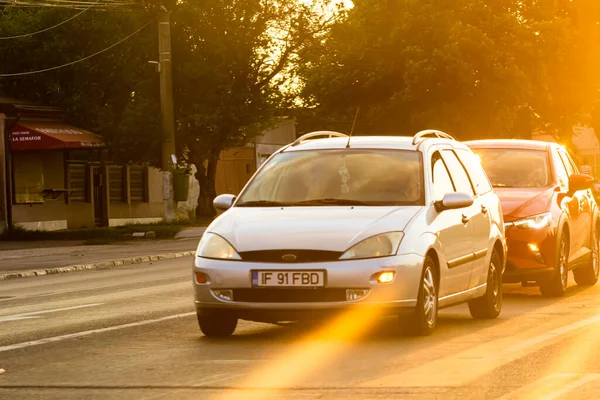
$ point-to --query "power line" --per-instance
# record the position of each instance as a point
(52, 27)
(102, 5)
(81, 59)
(64, 3)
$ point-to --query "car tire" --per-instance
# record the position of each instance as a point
(489, 305)
(588, 275)
(423, 319)
(556, 284)
(214, 324)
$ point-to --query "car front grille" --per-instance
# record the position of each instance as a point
(261, 295)
(290, 256)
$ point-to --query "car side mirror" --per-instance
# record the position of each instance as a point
(453, 201)
(223, 202)
(579, 182)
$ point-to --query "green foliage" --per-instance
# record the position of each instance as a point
(569, 41)
(97, 93)
(233, 58)
(475, 68)
(230, 58)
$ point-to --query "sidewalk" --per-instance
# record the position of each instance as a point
(21, 258)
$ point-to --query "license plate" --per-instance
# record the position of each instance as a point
(288, 278)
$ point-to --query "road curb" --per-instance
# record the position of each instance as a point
(100, 265)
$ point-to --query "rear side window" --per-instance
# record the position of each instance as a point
(459, 175)
(442, 183)
(478, 177)
(562, 173)
(569, 164)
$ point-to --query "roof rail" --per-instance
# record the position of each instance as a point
(430, 133)
(317, 134)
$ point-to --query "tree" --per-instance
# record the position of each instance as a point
(231, 60)
(568, 39)
(457, 66)
(114, 94)
(475, 68)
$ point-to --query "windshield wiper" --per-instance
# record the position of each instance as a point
(262, 203)
(331, 201)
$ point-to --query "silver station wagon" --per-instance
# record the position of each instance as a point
(406, 225)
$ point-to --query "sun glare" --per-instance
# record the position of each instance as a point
(308, 355)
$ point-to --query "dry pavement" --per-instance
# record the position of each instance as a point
(130, 333)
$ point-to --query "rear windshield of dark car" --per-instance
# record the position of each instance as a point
(516, 168)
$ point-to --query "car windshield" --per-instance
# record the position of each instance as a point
(515, 168)
(338, 177)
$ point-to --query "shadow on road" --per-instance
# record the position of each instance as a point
(452, 323)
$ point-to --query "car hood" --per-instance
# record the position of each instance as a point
(520, 203)
(314, 228)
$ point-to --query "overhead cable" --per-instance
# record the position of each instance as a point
(81, 59)
(52, 27)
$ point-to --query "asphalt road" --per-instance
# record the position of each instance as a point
(131, 333)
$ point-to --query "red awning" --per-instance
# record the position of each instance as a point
(51, 135)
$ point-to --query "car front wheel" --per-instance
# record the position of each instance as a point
(214, 324)
(588, 275)
(489, 305)
(423, 320)
(556, 284)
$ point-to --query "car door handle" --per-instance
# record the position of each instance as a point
(484, 209)
(465, 219)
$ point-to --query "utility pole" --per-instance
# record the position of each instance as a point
(167, 111)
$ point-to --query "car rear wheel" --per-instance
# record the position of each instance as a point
(588, 275)
(423, 320)
(489, 305)
(556, 284)
(214, 324)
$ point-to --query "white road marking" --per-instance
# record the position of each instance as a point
(90, 332)
(571, 386)
(211, 381)
(218, 378)
(230, 362)
(466, 366)
(534, 389)
(553, 333)
(550, 387)
(89, 289)
(16, 317)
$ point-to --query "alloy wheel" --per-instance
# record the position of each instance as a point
(595, 249)
(429, 297)
(494, 282)
(563, 266)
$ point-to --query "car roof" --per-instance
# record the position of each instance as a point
(512, 144)
(371, 142)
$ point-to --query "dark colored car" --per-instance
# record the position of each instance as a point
(550, 214)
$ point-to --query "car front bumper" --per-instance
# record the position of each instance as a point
(524, 263)
(299, 303)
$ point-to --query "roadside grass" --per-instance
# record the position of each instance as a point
(105, 235)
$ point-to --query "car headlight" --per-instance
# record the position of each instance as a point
(382, 245)
(214, 246)
(535, 222)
